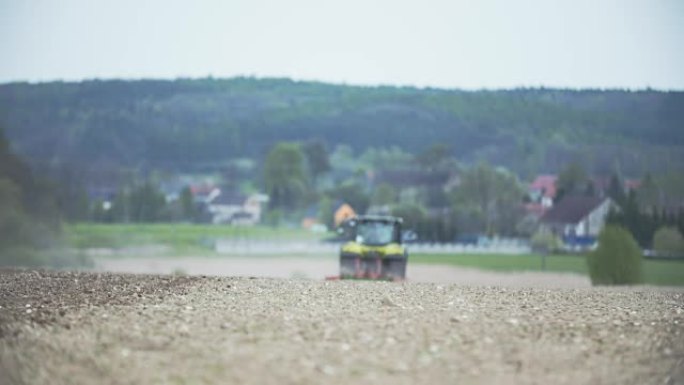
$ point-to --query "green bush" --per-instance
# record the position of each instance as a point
(545, 242)
(617, 260)
(668, 240)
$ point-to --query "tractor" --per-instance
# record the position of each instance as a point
(374, 250)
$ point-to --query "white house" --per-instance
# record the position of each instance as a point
(235, 208)
(577, 216)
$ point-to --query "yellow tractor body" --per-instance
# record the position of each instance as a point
(375, 250)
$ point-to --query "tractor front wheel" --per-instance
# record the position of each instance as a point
(394, 268)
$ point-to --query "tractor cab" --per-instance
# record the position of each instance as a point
(377, 231)
(374, 249)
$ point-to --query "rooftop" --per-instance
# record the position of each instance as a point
(572, 209)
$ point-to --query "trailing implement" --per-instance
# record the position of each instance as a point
(375, 250)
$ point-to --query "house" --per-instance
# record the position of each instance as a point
(204, 193)
(342, 213)
(254, 205)
(311, 217)
(543, 190)
(577, 219)
(309, 222)
(224, 205)
(541, 193)
(235, 208)
(243, 218)
(535, 210)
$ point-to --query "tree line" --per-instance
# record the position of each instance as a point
(186, 125)
(30, 214)
(486, 200)
(303, 176)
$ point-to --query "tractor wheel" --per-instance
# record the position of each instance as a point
(394, 268)
(348, 266)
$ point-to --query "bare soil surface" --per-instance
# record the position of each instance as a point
(111, 328)
(318, 268)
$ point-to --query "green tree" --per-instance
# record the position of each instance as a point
(412, 214)
(439, 227)
(15, 226)
(649, 192)
(11, 167)
(435, 227)
(317, 158)
(352, 193)
(187, 204)
(29, 216)
(325, 212)
(343, 159)
(384, 194)
(119, 210)
(285, 177)
(493, 197)
(433, 156)
(617, 260)
(273, 217)
(146, 204)
(131, 127)
(545, 242)
(668, 240)
(386, 158)
(616, 190)
(671, 188)
(641, 225)
(572, 179)
(70, 193)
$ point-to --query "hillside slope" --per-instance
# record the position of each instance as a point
(187, 124)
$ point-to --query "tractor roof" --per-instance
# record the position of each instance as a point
(378, 218)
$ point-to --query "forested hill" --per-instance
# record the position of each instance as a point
(181, 124)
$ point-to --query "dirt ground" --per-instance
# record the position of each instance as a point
(106, 328)
(320, 267)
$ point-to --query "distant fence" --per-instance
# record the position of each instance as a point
(653, 254)
(248, 247)
(458, 248)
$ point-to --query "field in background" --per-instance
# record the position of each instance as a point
(656, 272)
(501, 262)
(191, 239)
(179, 238)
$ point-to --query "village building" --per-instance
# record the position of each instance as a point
(229, 207)
(543, 190)
(342, 213)
(577, 219)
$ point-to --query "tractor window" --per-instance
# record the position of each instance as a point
(375, 233)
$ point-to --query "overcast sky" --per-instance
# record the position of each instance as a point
(447, 44)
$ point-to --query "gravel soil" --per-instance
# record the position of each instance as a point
(106, 328)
